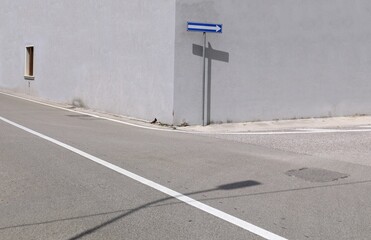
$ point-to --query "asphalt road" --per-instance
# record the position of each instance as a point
(50, 192)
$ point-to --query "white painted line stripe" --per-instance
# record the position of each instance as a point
(91, 115)
(317, 130)
(297, 131)
(324, 130)
(256, 133)
(190, 201)
(367, 126)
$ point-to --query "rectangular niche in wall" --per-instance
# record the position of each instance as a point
(29, 63)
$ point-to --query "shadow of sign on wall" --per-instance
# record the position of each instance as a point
(211, 54)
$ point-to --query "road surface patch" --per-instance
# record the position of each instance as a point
(316, 174)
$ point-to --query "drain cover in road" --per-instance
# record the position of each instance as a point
(316, 174)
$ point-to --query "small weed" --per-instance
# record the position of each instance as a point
(184, 124)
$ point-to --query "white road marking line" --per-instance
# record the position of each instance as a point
(317, 130)
(257, 133)
(326, 130)
(296, 131)
(366, 126)
(89, 114)
(190, 201)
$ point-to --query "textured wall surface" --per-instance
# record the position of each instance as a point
(286, 59)
(113, 55)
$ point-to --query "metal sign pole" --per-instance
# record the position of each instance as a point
(204, 81)
(204, 27)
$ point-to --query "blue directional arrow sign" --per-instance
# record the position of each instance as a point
(204, 27)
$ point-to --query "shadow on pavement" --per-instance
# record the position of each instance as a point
(230, 186)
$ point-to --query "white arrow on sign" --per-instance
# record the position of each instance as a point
(215, 28)
(204, 27)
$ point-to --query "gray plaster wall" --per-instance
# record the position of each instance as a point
(277, 59)
(112, 55)
(274, 60)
